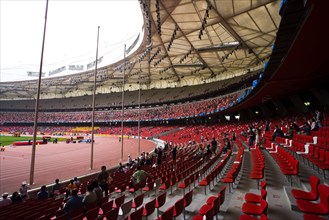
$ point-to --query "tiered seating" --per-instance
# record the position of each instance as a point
(233, 173)
(255, 204)
(258, 165)
(287, 163)
(313, 195)
(316, 208)
(216, 171)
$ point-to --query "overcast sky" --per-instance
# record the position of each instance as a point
(71, 33)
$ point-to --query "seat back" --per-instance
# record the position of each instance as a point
(216, 205)
(91, 205)
(210, 213)
(264, 206)
(188, 198)
(179, 207)
(92, 214)
(222, 195)
(107, 206)
(112, 214)
(161, 199)
(263, 185)
(314, 182)
(157, 183)
(324, 199)
(137, 215)
(168, 214)
(138, 200)
(126, 207)
(149, 208)
(187, 181)
(104, 200)
(263, 194)
(120, 200)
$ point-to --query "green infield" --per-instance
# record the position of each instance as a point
(8, 140)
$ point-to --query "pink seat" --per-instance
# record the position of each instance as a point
(137, 214)
(92, 213)
(184, 184)
(253, 209)
(106, 207)
(119, 201)
(251, 197)
(312, 195)
(149, 187)
(168, 214)
(138, 201)
(188, 200)
(321, 208)
(112, 214)
(166, 185)
(209, 215)
(160, 201)
(221, 195)
(179, 207)
(149, 208)
(215, 206)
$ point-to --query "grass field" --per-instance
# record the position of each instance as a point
(8, 140)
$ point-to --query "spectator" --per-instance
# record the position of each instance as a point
(70, 187)
(148, 159)
(104, 179)
(314, 125)
(306, 128)
(174, 153)
(5, 201)
(23, 191)
(77, 182)
(55, 188)
(227, 144)
(90, 196)
(319, 118)
(290, 132)
(139, 175)
(208, 151)
(277, 133)
(16, 197)
(120, 168)
(98, 190)
(159, 159)
(251, 135)
(74, 202)
(267, 126)
(214, 145)
(43, 194)
(130, 161)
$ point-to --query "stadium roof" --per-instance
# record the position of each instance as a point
(184, 43)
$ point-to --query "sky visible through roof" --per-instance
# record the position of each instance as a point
(71, 35)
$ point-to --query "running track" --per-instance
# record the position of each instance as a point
(63, 161)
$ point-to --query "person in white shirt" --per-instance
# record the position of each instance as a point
(23, 191)
(4, 200)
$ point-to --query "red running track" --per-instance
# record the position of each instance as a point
(63, 161)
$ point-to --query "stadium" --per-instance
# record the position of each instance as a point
(216, 110)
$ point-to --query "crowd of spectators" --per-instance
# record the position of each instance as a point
(186, 110)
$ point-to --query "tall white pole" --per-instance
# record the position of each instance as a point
(35, 130)
(139, 112)
(123, 98)
(93, 110)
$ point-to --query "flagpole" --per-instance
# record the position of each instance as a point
(93, 110)
(123, 97)
(37, 103)
(139, 111)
